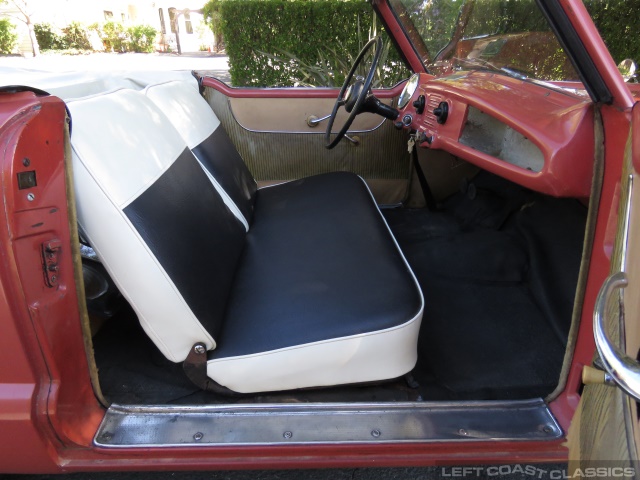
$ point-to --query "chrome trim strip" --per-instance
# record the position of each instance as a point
(286, 424)
(627, 223)
(623, 251)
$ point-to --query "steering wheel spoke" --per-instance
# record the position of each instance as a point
(353, 96)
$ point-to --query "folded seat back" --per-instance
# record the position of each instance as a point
(194, 119)
(162, 230)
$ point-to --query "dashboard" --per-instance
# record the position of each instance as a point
(533, 135)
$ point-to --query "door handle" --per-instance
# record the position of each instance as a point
(624, 370)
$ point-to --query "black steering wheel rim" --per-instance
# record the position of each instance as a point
(340, 101)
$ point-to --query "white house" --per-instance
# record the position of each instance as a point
(179, 22)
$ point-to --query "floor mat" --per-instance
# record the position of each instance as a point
(498, 268)
(131, 369)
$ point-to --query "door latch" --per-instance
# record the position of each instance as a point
(50, 250)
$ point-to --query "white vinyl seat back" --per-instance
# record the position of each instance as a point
(185, 108)
(157, 223)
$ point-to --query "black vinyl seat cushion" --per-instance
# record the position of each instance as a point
(319, 263)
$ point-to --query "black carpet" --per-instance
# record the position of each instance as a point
(132, 371)
(498, 266)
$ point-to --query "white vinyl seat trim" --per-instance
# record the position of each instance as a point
(147, 146)
(353, 359)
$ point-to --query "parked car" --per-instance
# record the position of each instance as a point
(190, 279)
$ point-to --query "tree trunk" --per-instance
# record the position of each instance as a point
(217, 41)
(32, 37)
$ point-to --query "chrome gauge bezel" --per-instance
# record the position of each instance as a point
(408, 90)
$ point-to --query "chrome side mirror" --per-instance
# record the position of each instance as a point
(627, 69)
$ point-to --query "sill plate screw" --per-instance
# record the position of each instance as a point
(462, 431)
(376, 433)
(287, 435)
(548, 429)
(198, 436)
(199, 349)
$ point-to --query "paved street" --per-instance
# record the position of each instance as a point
(214, 64)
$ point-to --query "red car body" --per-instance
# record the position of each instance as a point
(49, 413)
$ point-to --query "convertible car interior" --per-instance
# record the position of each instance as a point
(280, 290)
(422, 278)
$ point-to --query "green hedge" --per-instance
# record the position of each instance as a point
(48, 38)
(118, 38)
(268, 40)
(74, 36)
(8, 37)
(619, 25)
(617, 20)
(141, 38)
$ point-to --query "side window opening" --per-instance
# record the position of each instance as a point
(305, 44)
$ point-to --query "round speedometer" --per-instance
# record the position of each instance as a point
(408, 91)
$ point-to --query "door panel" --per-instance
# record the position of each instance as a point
(278, 151)
(605, 427)
(290, 116)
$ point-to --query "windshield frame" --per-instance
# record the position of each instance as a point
(579, 38)
(410, 32)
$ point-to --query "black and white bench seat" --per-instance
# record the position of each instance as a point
(292, 286)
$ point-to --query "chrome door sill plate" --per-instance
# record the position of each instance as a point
(329, 423)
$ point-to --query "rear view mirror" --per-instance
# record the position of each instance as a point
(627, 69)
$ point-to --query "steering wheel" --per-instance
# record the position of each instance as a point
(353, 96)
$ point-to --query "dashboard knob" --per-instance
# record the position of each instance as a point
(419, 104)
(441, 112)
